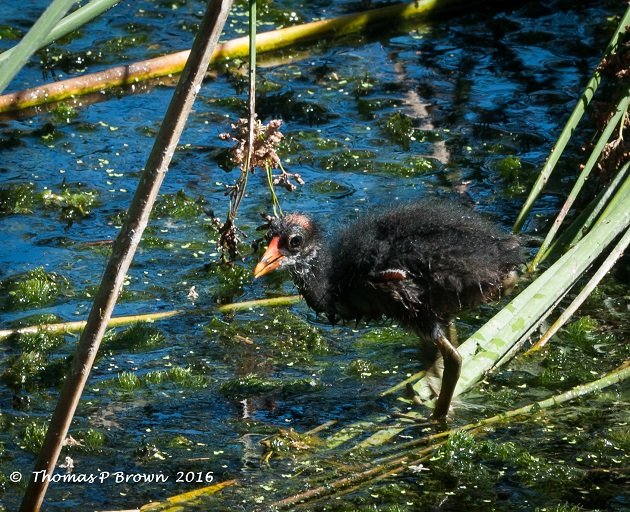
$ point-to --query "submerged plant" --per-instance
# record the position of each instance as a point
(73, 203)
(138, 337)
(17, 198)
(286, 443)
(179, 206)
(32, 289)
(33, 437)
(128, 381)
(182, 377)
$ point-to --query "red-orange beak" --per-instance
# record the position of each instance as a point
(270, 260)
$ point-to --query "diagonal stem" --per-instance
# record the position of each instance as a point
(124, 248)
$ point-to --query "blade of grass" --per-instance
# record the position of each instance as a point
(608, 264)
(587, 217)
(614, 121)
(33, 40)
(70, 23)
(569, 127)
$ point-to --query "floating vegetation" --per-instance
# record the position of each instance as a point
(348, 160)
(363, 369)
(37, 319)
(24, 370)
(287, 106)
(251, 385)
(139, 337)
(17, 198)
(286, 443)
(32, 369)
(511, 171)
(178, 206)
(231, 280)
(288, 336)
(182, 377)
(33, 289)
(41, 341)
(128, 381)
(72, 203)
(472, 467)
(175, 377)
(90, 440)
(409, 168)
(368, 107)
(400, 129)
(64, 112)
(33, 437)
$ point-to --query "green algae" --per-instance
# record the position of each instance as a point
(285, 335)
(17, 198)
(251, 385)
(72, 203)
(138, 337)
(32, 289)
(33, 436)
(178, 206)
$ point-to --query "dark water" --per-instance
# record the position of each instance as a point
(464, 107)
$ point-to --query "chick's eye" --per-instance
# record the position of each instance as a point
(295, 241)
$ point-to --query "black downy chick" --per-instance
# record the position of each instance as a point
(419, 264)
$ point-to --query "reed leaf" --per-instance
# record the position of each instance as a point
(618, 117)
(605, 267)
(33, 40)
(586, 218)
(570, 126)
(70, 23)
